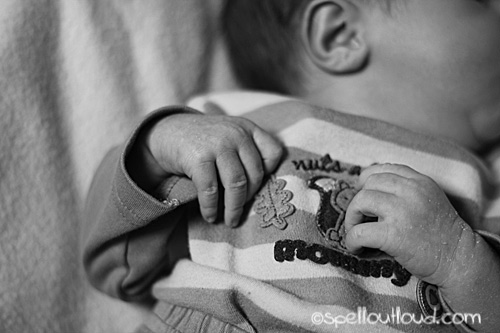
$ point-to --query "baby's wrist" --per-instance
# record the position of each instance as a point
(143, 166)
(473, 285)
(158, 146)
(148, 159)
(464, 263)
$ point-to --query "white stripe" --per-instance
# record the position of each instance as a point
(258, 262)
(493, 209)
(236, 103)
(304, 198)
(458, 178)
(271, 300)
(495, 167)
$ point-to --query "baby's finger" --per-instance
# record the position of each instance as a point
(367, 235)
(205, 179)
(397, 169)
(234, 180)
(252, 162)
(367, 203)
(269, 148)
(387, 183)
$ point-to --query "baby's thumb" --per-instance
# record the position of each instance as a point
(213, 109)
(270, 149)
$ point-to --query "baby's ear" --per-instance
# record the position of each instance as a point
(333, 36)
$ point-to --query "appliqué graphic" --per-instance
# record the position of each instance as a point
(289, 250)
(428, 299)
(335, 196)
(273, 204)
(327, 164)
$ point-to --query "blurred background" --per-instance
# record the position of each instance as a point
(76, 76)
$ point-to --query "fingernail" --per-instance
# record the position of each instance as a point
(231, 223)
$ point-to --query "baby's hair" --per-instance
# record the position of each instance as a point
(262, 37)
(263, 42)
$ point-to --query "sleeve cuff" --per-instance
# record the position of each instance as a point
(448, 312)
(492, 239)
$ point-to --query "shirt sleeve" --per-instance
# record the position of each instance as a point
(131, 237)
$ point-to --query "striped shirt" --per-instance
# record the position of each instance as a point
(286, 264)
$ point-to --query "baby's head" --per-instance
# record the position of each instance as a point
(428, 65)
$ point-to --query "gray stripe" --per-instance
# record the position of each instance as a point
(228, 305)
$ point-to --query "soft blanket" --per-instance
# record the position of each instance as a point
(75, 78)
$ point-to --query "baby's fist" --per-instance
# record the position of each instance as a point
(220, 154)
(415, 222)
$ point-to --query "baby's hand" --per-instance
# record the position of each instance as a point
(417, 225)
(215, 152)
